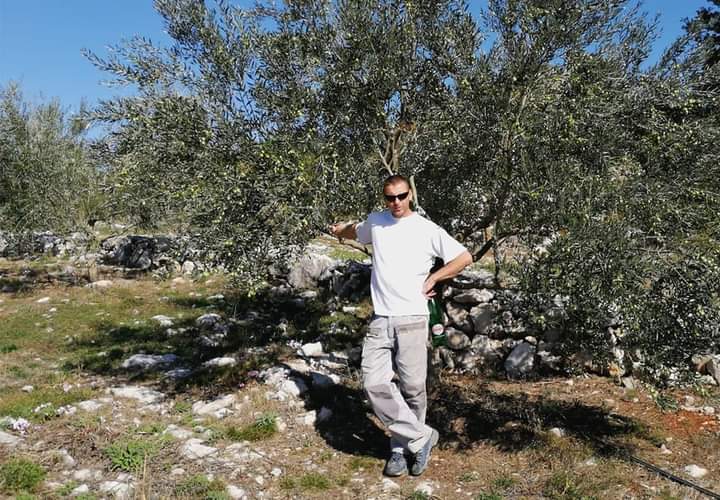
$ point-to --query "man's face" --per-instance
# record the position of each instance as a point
(393, 194)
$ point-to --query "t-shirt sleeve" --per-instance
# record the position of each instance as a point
(364, 235)
(445, 246)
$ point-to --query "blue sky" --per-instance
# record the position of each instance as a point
(41, 40)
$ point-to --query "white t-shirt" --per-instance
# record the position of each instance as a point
(404, 250)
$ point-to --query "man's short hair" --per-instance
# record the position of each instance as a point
(396, 179)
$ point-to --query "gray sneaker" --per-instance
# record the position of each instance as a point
(422, 457)
(396, 465)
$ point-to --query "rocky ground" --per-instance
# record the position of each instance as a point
(176, 388)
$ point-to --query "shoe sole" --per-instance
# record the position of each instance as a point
(434, 437)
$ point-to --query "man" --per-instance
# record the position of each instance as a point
(405, 246)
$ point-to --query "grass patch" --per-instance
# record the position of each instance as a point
(312, 481)
(264, 427)
(360, 463)
(129, 455)
(503, 483)
(488, 496)
(7, 348)
(40, 404)
(565, 486)
(20, 475)
(67, 488)
(200, 486)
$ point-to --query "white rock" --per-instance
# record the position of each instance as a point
(324, 380)
(101, 284)
(193, 449)
(90, 405)
(313, 349)
(8, 439)
(27, 388)
(20, 425)
(293, 386)
(210, 321)
(235, 493)
(210, 407)
(43, 300)
(308, 418)
(521, 361)
(276, 472)
(80, 490)
(219, 362)
(389, 485)
(83, 475)
(178, 432)
(708, 410)
(178, 373)
(148, 361)
(117, 489)
(298, 365)
(424, 488)
(474, 296)
(142, 394)
(67, 459)
(164, 321)
(664, 450)
(695, 471)
(177, 471)
(260, 480)
(557, 431)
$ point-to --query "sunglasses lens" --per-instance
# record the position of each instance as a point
(392, 197)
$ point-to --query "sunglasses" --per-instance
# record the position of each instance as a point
(392, 197)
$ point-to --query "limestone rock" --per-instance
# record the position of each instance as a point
(164, 321)
(117, 489)
(141, 394)
(220, 362)
(459, 317)
(145, 362)
(7, 439)
(211, 407)
(521, 361)
(696, 471)
(310, 269)
(235, 492)
(474, 296)
(456, 340)
(313, 349)
(100, 284)
(482, 317)
(193, 449)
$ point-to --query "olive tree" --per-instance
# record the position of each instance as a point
(47, 177)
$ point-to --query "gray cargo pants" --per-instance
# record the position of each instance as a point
(398, 345)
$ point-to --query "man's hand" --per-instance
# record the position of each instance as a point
(345, 230)
(449, 270)
(428, 287)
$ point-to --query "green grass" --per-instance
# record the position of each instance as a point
(7, 348)
(67, 488)
(264, 427)
(199, 486)
(565, 486)
(15, 403)
(312, 481)
(129, 455)
(488, 496)
(20, 475)
(357, 463)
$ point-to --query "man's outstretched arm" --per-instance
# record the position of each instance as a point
(449, 270)
(345, 230)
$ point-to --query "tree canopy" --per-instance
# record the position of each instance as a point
(256, 127)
